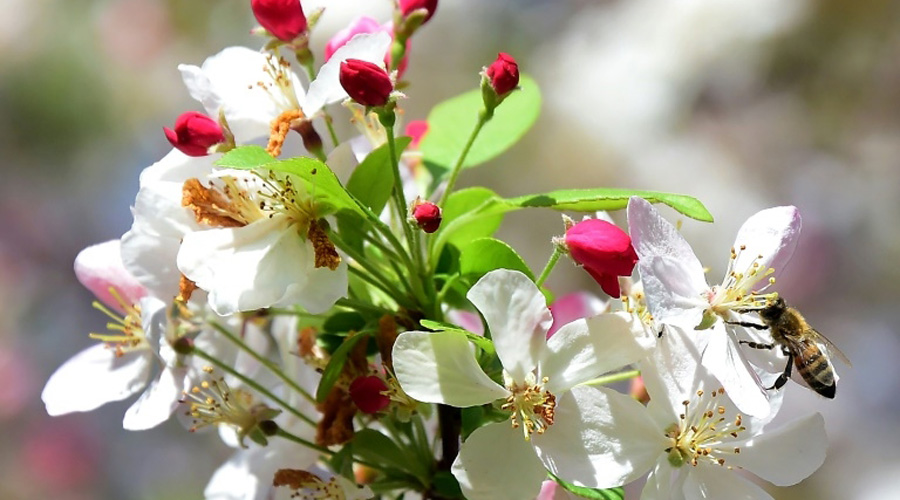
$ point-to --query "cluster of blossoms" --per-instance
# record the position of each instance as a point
(347, 321)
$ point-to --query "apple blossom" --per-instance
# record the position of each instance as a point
(677, 292)
(427, 216)
(691, 436)
(603, 250)
(503, 74)
(540, 393)
(284, 19)
(365, 82)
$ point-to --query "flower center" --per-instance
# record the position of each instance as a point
(736, 292)
(213, 402)
(281, 87)
(702, 432)
(532, 406)
(308, 486)
(126, 333)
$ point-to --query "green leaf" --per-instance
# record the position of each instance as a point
(312, 175)
(246, 157)
(451, 122)
(373, 446)
(372, 180)
(438, 326)
(486, 254)
(344, 321)
(592, 493)
(591, 200)
(464, 219)
(445, 484)
(335, 365)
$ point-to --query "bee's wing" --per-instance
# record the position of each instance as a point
(830, 346)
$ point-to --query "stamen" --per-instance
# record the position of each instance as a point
(279, 130)
(126, 332)
(532, 407)
(703, 433)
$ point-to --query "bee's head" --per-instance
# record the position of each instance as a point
(773, 310)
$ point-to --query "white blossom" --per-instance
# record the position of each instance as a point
(552, 424)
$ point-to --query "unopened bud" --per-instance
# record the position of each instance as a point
(366, 393)
(604, 250)
(427, 216)
(365, 82)
(407, 7)
(284, 19)
(194, 134)
(503, 74)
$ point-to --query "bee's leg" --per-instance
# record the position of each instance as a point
(662, 330)
(757, 345)
(748, 324)
(785, 375)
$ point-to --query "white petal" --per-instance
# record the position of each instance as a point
(672, 276)
(99, 268)
(496, 463)
(259, 265)
(440, 367)
(157, 403)
(517, 315)
(786, 455)
(94, 377)
(712, 481)
(770, 237)
(587, 348)
(237, 80)
(664, 482)
(326, 88)
(726, 362)
(177, 167)
(600, 439)
(670, 371)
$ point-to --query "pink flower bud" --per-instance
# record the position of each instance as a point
(194, 134)
(282, 18)
(604, 250)
(416, 130)
(503, 74)
(427, 216)
(360, 25)
(365, 82)
(407, 6)
(366, 393)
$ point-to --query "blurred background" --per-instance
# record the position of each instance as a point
(744, 104)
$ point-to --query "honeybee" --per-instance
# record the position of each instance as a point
(801, 343)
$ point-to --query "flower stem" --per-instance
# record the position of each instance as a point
(253, 384)
(299, 440)
(457, 167)
(614, 377)
(263, 361)
(450, 421)
(549, 267)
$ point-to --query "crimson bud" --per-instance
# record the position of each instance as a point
(282, 18)
(604, 250)
(194, 134)
(408, 6)
(503, 74)
(366, 393)
(365, 82)
(427, 216)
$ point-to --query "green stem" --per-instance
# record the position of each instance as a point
(361, 306)
(549, 267)
(457, 167)
(375, 276)
(299, 440)
(255, 385)
(263, 361)
(614, 377)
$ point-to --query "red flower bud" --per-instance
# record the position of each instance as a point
(365, 82)
(407, 6)
(366, 393)
(194, 133)
(282, 18)
(604, 250)
(427, 216)
(503, 74)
